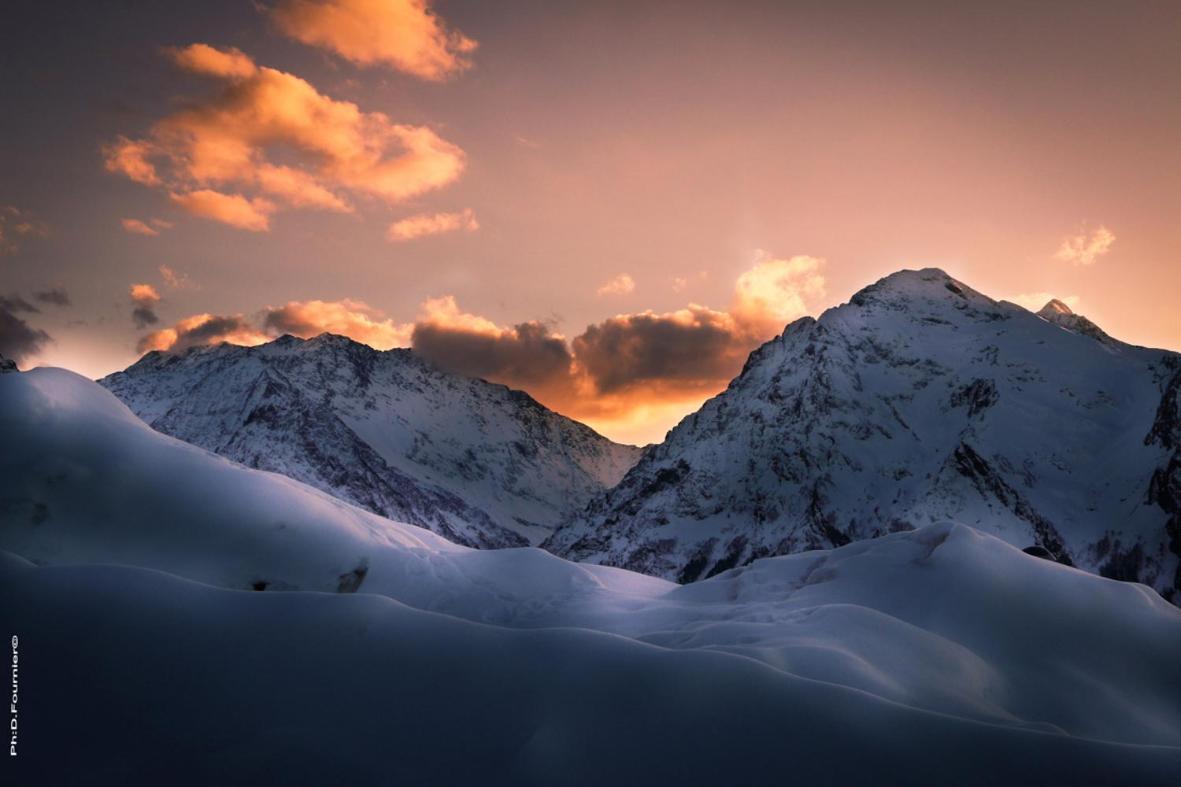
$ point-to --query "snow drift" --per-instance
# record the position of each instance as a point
(934, 656)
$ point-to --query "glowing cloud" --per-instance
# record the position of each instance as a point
(231, 64)
(129, 158)
(144, 294)
(202, 329)
(354, 319)
(629, 363)
(620, 285)
(425, 224)
(774, 292)
(403, 34)
(233, 209)
(1084, 248)
(137, 227)
(615, 374)
(211, 155)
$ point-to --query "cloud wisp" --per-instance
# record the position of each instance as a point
(1085, 248)
(623, 284)
(425, 224)
(16, 225)
(54, 296)
(150, 229)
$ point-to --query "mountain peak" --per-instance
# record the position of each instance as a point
(920, 401)
(1054, 307)
(926, 284)
(1061, 315)
(476, 462)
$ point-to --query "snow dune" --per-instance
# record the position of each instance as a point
(933, 657)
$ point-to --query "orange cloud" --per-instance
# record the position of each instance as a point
(144, 294)
(425, 224)
(620, 373)
(130, 158)
(617, 374)
(354, 319)
(231, 64)
(202, 329)
(15, 225)
(404, 34)
(144, 297)
(1085, 248)
(215, 156)
(620, 285)
(137, 227)
(232, 209)
(299, 189)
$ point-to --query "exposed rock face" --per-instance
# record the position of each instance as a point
(1164, 489)
(919, 400)
(478, 463)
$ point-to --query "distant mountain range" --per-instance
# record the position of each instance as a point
(477, 463)
(919, 401)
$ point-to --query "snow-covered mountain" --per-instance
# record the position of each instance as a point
(478, 463)
(929, 654)
(920, 400)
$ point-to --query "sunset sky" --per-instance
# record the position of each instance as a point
(607, 204)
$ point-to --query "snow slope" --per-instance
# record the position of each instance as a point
(478, 463)
(919, 401)
(408, 659)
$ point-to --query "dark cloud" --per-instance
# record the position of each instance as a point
(612, 365)
(54, 296)
(525, 355)
(693, 346)
(201, 329)
(15, 303)
(143, 316)
(17, 339)
(214, 330)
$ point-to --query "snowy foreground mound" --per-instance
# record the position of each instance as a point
(937, 656)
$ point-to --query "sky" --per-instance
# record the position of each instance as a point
(607, 204)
